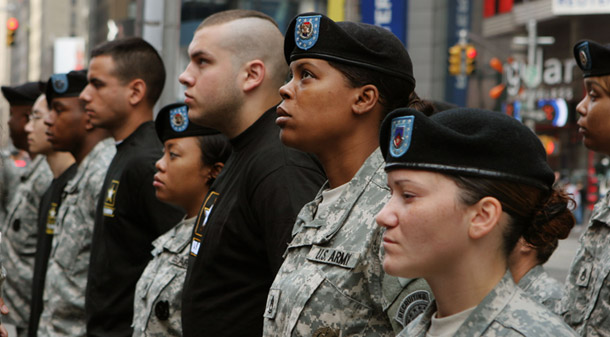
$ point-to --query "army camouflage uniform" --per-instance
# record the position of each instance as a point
(331, 281)
(158, 298)
(505, 311)
(586, 303)
(542, 288)
(10, 176)
(19, 232)
(64, 292)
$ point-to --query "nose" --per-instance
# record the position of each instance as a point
(160, 165)
(185, 78)
(387, 217)
(581, 107)
(286, 91)
(49, 118)
(29, 127)
(84, 95)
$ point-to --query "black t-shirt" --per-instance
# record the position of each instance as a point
(128, 218)
(49, 204)
(235, 256)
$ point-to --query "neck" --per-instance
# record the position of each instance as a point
(342, 160)
(93, 137)
(522, 265)
(465, 285)
(192, 209)
(59, 162)
(252, 109)
(135, 118)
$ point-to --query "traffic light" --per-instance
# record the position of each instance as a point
(11, 28)
(471, 55)
(456, 58)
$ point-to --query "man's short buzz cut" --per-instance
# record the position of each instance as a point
(232, 15)
(135, 58)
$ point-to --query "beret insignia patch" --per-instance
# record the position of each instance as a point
(60, 83)
(402, 128)
(583, 56)
(306, 31)
(178, 119)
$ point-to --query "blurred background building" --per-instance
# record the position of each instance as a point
(514, 56)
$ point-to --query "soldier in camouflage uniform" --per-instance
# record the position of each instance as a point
(331, 282)
(461, 198)
(70, 130)
(586, 305)
(10, 176)
(525, 263)
(19, 241)
(179, 181)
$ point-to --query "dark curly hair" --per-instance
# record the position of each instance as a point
(542, 218)
(214, 149)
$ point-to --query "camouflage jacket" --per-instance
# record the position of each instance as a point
(63, 311)
(10, 176)
(19, 232)
(542, 288)
(505, 311)
(158, 298)
(332, 281)
(586, 303)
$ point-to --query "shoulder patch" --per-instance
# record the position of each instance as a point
(412, 306)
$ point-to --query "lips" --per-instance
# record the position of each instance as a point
(157, 182)
(282, 116)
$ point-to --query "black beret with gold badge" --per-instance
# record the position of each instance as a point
(314, 35)
(173, 122)
(592, 58)
(24, 94)
(464, 141)
(66, 85)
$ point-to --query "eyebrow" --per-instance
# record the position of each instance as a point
(199, 53)
(591, 83)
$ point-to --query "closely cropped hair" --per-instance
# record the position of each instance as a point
(232, 15)
(541, 218)
(394, 92)
(135, 58)
(214, 149)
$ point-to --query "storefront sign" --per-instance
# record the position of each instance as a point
(389, 14)
(579, 7)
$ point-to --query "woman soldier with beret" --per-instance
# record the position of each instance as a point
(465, 185)
(346, 77)
(193, 157)
(586, 305)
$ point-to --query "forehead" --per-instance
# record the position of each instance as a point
(101, 66)
(20, 109)
(208, 39)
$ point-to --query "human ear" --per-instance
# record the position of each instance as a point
(137, 91)
(366, 99)
(254, 75)
(486, 214)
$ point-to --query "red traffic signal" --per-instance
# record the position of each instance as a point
(12, 24)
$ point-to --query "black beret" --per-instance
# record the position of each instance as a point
(313, 35)
(66, 85)
(173, 122)
(465, 141)
(24, 94)
(592, 58)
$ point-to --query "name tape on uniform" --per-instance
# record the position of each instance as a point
(333, 256)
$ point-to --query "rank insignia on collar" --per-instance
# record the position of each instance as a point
(402, 128)
(583, 55)
(306, 31)
(60, 83)
(179, 119)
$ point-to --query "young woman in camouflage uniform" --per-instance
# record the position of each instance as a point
(466, 185)
(586, 305)
(193, 157)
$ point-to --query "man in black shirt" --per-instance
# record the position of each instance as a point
(126, 77)
(63, 168)
(245, 223)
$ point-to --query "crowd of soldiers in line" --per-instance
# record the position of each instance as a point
(265, 207)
